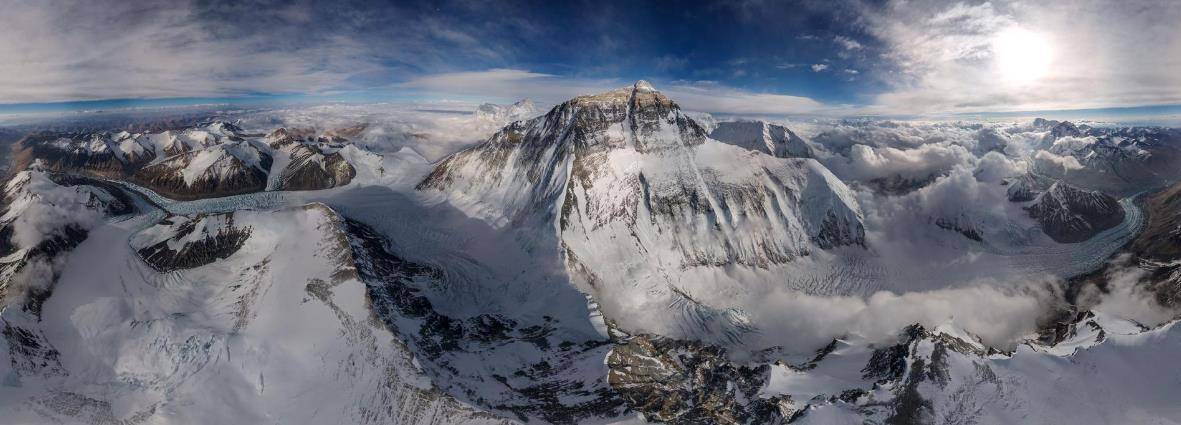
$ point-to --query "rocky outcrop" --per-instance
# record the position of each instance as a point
(688, 382)
(180, 242)
(208, 160)
(83, 153)
(1027, 187)
(535, 378)
(312, 168)
(1068, 214)
(223, 170)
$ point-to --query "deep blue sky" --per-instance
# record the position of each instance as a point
(843, 57)
(761, 49)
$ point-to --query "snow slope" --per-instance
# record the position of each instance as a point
(627, 165)
(280, 330)
(775, 140)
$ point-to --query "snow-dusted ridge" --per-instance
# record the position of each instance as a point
(209, 160)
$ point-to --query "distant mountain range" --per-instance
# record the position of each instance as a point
(608, 260)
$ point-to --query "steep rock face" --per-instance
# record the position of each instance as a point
(308, 163)
(1027, 187)
(759, 136)
(897, 184)
(92, 154)
(1064, 129)
(1068, 214)
(527, 371)
(628, 160)
(222, 170)
(688, 382)
(118, 154)
(960, 224)
(637, 193)
(181, 242)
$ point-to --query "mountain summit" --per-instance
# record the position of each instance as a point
(638, 193)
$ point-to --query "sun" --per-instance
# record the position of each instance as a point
(1021, 56)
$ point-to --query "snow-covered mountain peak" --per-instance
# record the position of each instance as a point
(644, 86)
(504, 114)
(1069, 214)
(637, 195)
(761, 136)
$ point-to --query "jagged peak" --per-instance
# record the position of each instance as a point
(641, 91)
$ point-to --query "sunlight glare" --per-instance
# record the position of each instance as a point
(1021, 56)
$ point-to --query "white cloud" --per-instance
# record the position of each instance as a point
(697, 96)
(994, 167)
(1059, 163)
(817, 67)
(945, 56)
(867, 163)
(58, 51)
(509, 84)
(847, 43)
(1000, 315)
(40, 209)
(1124, 295)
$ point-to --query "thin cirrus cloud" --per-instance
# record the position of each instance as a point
(916, 57)
(951, 57)
(694, 95)
(82, 51)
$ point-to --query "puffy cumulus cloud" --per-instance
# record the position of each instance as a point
(840, 138)
(864, 151)
(990, 140)
(1069, 144)
(1000, 315)
(1057, 164)
(867, 163)
(39, 209)
(1124, 295)
(994, 167)
(961, 191)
